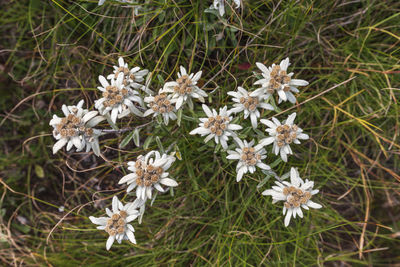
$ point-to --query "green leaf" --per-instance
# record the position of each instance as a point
(126, 140)
(136, 137)
(39, 171)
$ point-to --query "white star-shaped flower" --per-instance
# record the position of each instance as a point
(248, 104)
(296, 195)
(185, 88)
(76, 129)
(147, 172)
(220, 6)
(117, 223)
(282, 135)
(117, 98)
(276, 79)
(249, 157)
(132, 77)
(217, 126)
(161, 104)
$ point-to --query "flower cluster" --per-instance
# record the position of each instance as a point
(126, 92)
(220, 126)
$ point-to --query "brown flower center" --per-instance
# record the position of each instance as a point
(72, 125)
(286, 134)
(161, 104)
(184, 86)
(116, 224)
(249, 156)
(278, 78)
(147, 175)
(114, 96)
(249, 102)
(295, 197)
(217, 124)
(127, 75)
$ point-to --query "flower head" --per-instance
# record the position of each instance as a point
(249, 157)
(117, 98)
(132, 77)
(147, 172)
(296, 195)
(220, 6)
(76, 129)
(217, 126)
(282, 135)
(117, 223)
(276, 79)
(185, 88)
(161, 104)
(248, 104)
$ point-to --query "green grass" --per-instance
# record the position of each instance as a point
(52, 53)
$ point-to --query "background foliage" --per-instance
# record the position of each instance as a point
(51, 53)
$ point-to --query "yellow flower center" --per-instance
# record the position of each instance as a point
(249, 102)
(71, 126)
(147, 175)
(116, 224)
(286, 134)
(295, 197)
(161, 104)
(278, 78)
(249, 156)
(184, 86)
(217, 124)
(114, 96)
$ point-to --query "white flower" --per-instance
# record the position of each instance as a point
(161, 104)
(185, 88)
(277, 79)
(132, 77)
(248, 104)
(282, 135)
(296, 194)
(117, 98)
(147, 172)
(220, 6)
(76, 129)
(217, 126)
(249, 157)
(117, 223)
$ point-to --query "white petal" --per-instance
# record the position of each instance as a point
(297, 82)
(288, 217)
(115, 204)
(267, 141)
(110, 241)
(59, 144)
(207, 110)
(282, 95)
(168, 182)
(313, 205)
(291, 118)
(131, 237)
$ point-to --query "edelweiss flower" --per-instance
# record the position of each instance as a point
(283, 135)
(277, 79)
(249, 157)
(117, 98)
(117, 223)
(248, 104)
(161, 104)
(220, 6)
(76, 129)
(296, 194)
(147, 172)
(217, 126)
(132, 77)
(185, 88)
